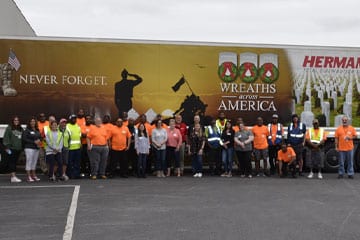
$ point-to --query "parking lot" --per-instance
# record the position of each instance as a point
(182, 208)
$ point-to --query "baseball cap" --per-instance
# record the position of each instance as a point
(72, 116)
(63, 120)
(275, 116)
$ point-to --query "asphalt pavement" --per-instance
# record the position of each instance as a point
(182, 208)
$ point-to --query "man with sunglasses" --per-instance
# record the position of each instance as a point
(315, 139)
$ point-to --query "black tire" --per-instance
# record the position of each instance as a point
(3, 163)
(357, 159)
(331, 161)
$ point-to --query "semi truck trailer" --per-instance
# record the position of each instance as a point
(58, 76)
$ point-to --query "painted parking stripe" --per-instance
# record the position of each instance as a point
(69, 227)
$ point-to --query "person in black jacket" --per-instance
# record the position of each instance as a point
(32, 141)
(13, 146)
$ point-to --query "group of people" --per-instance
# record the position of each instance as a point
(82, 146)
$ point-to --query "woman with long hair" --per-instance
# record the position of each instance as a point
(227, 137)
(13, 146)
(196, 149)
(142, 147)
(159, 138)
(32, 141)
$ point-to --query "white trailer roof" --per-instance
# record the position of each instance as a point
(13, 22)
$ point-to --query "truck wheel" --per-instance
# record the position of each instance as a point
(331, 161)
(357, 159)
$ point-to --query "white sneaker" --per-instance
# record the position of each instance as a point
(29, 179)
(15, 180)
(196, 175)
(311, 175)
(320, 175)
(65, 177)
(35, 178)
(199, 175)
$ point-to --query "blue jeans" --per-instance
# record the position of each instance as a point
(160, 163)
(141, 167)
(73, 168)
(196, 160)
(51, 159)
(348, 157)
(227, 158)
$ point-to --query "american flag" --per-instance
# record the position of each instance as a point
(13, 60)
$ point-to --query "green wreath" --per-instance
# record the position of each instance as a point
(269, 68)
(222, 70)
(253, 70)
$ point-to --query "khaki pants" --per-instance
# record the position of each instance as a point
(42, 160)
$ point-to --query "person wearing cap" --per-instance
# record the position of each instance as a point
(213, 137)
(296, 139)
(73, 168)
(344, 144)
(315, 139)
(275, 138)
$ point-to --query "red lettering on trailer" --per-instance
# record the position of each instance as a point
(331, 62)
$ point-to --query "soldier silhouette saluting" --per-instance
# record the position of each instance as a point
(124, 91)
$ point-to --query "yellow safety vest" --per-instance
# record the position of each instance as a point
(316, 138)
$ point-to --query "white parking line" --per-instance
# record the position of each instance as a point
(45, 186)
(69, 227)
(71, 215)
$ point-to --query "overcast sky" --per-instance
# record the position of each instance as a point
(300, 22)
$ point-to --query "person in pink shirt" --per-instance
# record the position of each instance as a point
(173, 144)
